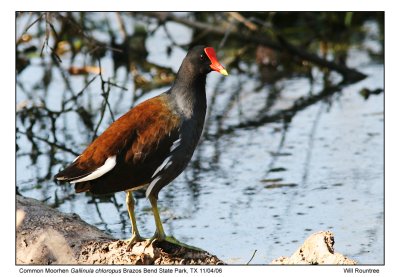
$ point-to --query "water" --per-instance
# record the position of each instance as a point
(265, 188)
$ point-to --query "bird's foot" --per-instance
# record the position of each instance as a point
(171, 240)
(132, 241)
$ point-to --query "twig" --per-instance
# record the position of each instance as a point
(170, 37)
(121, 25)
(33, 23)
(75, 97)
(106, 104)
(226, 35)
(115, 85)
(252, 256)
(106, 93)
(19, 40)
(63, 147)
(350, 75)
(237, 16)
(49, 28)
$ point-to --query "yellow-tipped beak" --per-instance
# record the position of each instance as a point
(224, 72)
(215, 65)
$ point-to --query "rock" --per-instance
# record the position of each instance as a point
(317, 249)
(47, 236)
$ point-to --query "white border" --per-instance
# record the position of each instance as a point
(392, 106)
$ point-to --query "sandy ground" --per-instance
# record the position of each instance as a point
(47, 236)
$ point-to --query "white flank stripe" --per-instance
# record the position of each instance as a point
(164, 163)
(106, 167)
(175, 144)
(152, 184)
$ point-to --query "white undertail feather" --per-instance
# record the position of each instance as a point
(106, 167)
(76, 158)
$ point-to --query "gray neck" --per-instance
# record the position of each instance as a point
(190, 93)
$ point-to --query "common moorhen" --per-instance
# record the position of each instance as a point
(150, 145)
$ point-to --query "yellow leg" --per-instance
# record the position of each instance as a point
(160, 234)
(130, 203)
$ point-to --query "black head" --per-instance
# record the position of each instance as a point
(202, 60)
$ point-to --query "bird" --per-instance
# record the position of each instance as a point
(150, 145)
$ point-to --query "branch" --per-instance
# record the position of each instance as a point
(349, 74)
(60, 146)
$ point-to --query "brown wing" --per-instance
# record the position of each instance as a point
(133, 139)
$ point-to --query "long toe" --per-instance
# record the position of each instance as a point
(173, 240)
(133, 241)
(165, 240)
(155, 237)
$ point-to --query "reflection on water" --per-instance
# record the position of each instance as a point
(264, 177)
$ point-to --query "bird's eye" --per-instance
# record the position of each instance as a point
(202, 57)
